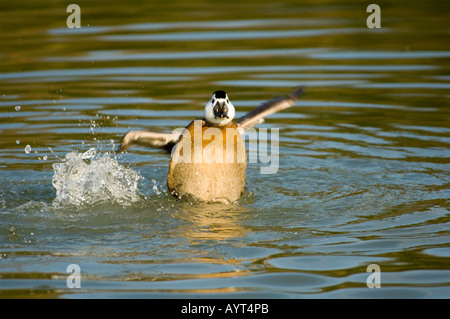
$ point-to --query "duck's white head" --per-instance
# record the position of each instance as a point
(219, 111)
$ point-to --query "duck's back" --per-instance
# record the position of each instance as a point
(208, 163)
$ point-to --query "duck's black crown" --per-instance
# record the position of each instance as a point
(220, 94)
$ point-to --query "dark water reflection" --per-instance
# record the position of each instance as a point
(364, 156)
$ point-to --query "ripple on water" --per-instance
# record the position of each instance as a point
(323, 263)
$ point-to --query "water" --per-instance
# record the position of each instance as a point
(364, 155)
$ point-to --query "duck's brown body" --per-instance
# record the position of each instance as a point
(208, 163)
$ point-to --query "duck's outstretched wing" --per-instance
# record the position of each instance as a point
(257, 116)
(167, 140)
(149, 139)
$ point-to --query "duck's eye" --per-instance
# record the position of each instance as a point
(228, 101)
(213, 101)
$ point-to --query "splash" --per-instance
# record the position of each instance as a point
(88, 178)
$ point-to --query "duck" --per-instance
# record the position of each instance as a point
(208, 156)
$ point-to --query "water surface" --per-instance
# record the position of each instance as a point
(364, 155)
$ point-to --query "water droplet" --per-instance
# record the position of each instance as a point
(156, 190)
(18, 107)
(28, 149)
(45, 157)
(17, 142)
(89, 153)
